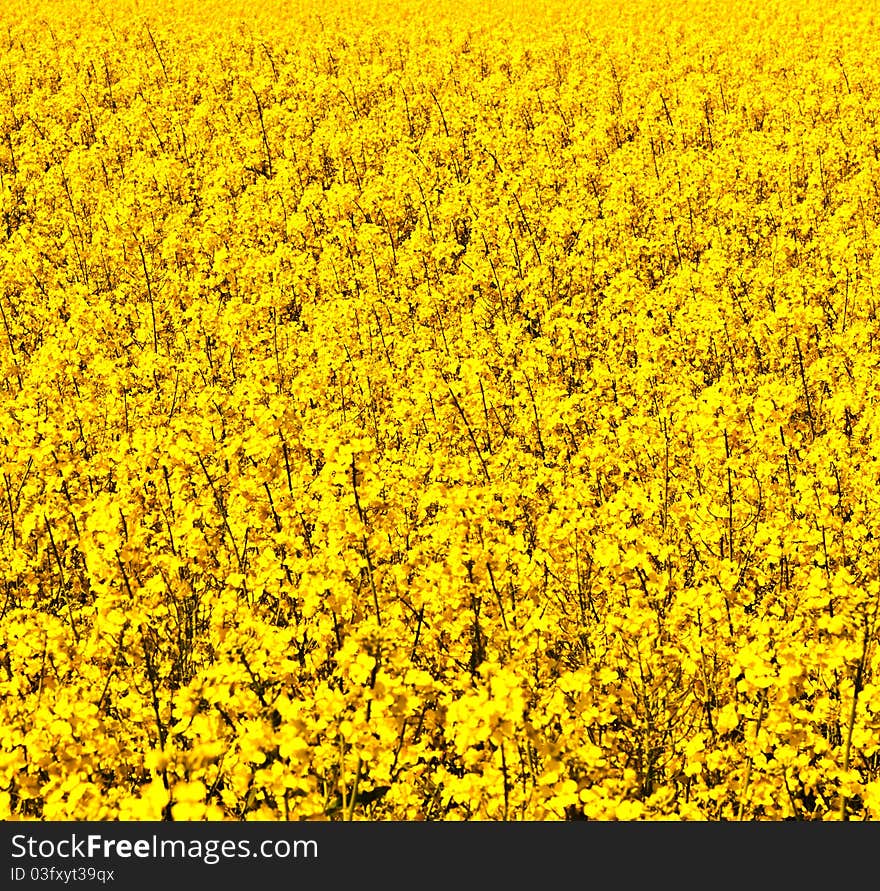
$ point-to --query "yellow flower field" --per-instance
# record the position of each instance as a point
(439, 411)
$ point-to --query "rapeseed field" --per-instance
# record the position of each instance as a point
(439, 411)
